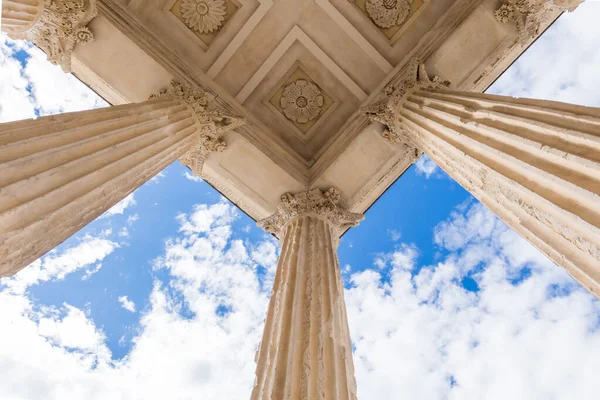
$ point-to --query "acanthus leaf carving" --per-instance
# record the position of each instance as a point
(530, 15)
(61, 26)
(326, 204)
(211, 123)
(385, 110)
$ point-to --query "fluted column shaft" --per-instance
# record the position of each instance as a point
(306, 351)
(20, 15)
(60, 172)
(535, 163)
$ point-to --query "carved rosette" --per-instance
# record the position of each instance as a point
(204, 16)
(212, 124)
(385, 110)
(62, 25)
(388, 13)
(301, 101)
(326, 204)
(529, 15)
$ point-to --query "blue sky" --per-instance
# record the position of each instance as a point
(164, 296)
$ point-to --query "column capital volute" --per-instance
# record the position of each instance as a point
(61, 25)
(211, 122)
(324, 204)
(385, 110)
(529, 15)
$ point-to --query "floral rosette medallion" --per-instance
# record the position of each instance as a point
(301, 101)
(204, 16)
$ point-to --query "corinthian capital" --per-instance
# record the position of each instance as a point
(529, 15)
(211, 123)
(326, 204)
(386, 109)
(58, 27)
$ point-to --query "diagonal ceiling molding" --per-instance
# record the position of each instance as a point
(239, 38)
(355, 35)
(297, 34)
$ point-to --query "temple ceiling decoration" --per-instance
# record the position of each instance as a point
(205, 18)
(299, 100)
(389, 16)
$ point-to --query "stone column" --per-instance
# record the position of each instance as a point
(61, 172)
(534, 163)
(306, 351)
(55, 26)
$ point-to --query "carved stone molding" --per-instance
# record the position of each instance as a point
(326, 204)
(529, 15)
(385, 110)
(62, 25)
(211, 122)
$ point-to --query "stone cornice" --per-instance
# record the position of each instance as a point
(211, 122)
(61, 26)
(530, 15)
(385, 110)
(325, 204)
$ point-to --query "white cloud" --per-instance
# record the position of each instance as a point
(158, 177)
(192, 177)
(394, 234)
(426, 166)
(124, 232)
(200, 328)
(73, 330)
(120, 207)
(36, 86)
(127, 304)
(425, 336)
(56, 266)
(91, 271)
(132, 218)
(15, 102)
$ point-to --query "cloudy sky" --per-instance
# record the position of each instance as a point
(164, 296)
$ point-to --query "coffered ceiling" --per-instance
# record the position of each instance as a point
(298, 70)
